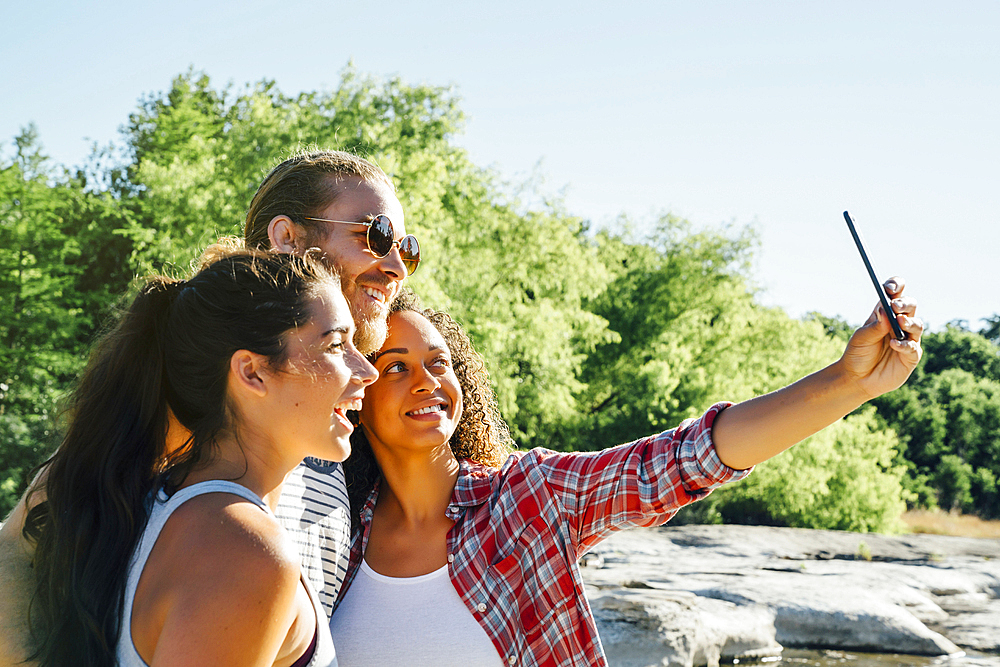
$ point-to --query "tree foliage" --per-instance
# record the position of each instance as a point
(61, 268)
(592, 338)
(948, 420)
(689, 333)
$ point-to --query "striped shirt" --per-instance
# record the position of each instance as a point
(313, 509)
(519, 531)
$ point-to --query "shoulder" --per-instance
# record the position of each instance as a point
(520, 465)
(225, 531)
(15, 593)
(313, 480)
(477, 482)
(219, 557)
(220, 551)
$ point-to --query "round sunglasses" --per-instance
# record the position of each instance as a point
(381, 240)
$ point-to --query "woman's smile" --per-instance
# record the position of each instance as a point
(431, 412)
(417, 400)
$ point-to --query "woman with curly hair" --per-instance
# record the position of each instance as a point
(148, 554)
(466, 554)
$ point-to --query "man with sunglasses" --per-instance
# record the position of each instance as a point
(346, 207)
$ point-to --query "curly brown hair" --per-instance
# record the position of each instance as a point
(481, 435)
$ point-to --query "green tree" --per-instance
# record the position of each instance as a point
(61, 268)
(955, 347)
(948, 419)
(835, 327)
(985, 492)
(690, 332)
(843, 478)
(176, 148)
(991, 330)
(953, 479)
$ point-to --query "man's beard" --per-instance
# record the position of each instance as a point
(370, 319)
(371, 329)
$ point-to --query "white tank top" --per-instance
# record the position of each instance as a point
(163, 507)
(413, 621)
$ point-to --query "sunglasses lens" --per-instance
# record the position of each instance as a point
(380, 236)
(409, 252)
(380, 242)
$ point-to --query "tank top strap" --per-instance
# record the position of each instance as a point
(211, 486)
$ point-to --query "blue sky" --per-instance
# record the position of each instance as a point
(780, 114)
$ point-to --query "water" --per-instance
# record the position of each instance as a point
(804, 658)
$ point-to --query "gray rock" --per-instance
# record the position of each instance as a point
(976, 628)
(917, 594)
(647, 627)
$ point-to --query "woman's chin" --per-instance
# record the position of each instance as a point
(432, 440)
(340, 451)
(339, 448)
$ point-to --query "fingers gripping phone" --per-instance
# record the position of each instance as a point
(882, 296)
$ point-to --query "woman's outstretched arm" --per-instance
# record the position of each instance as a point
(873, 363)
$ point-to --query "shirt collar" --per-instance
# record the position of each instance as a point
(369, 507)
(473, 488)
(474, 485)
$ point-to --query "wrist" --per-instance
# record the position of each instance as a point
(844, 384)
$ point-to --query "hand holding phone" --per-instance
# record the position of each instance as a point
(882, 297)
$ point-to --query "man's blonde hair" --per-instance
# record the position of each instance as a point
(302, 186)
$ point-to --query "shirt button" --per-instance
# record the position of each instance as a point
(451, 558)
(481, 607)
(511, 660)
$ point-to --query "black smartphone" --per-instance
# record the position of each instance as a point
(882, 296)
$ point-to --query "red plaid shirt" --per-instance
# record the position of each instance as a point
(520, 530)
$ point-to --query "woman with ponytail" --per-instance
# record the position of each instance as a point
(149, 554)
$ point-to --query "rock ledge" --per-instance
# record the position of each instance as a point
(695, 595)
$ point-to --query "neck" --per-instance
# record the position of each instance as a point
(416, 486)
(249, 463)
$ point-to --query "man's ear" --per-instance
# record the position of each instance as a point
(248, 373)
(283, 233)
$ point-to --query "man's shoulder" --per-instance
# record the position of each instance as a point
(312, 490)
(315, 510)
(325, 477)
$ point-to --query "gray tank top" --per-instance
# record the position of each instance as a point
(324, 655)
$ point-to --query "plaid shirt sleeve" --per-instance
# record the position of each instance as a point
(642, 483)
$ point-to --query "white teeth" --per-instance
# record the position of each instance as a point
(350, 405)
(427, 411)
(375, 294)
